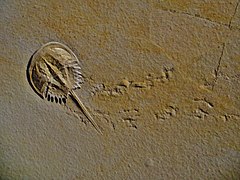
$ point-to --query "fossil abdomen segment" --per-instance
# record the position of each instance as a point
(54, 71)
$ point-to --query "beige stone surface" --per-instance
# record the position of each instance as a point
(162, 80)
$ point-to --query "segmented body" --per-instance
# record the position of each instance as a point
(54, 72)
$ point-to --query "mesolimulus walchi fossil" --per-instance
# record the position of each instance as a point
(54, 73)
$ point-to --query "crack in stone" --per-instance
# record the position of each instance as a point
(216, 71)
(197, 16)
(235, 11)
(219, 62)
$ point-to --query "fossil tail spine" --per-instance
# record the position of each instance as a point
(85, 111)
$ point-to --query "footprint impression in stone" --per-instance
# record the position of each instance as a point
(54, 73)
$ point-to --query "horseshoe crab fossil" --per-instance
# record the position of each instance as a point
(54, 73)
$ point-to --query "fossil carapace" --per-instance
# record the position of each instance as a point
(54, 72)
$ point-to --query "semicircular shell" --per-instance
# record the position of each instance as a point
(54, 70)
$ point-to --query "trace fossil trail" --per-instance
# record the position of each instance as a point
(54, 73)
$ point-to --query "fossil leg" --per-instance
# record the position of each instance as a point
(85, 111)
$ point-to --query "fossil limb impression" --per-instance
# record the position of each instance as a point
(54, 72)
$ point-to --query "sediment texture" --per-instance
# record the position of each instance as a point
(162, 80)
